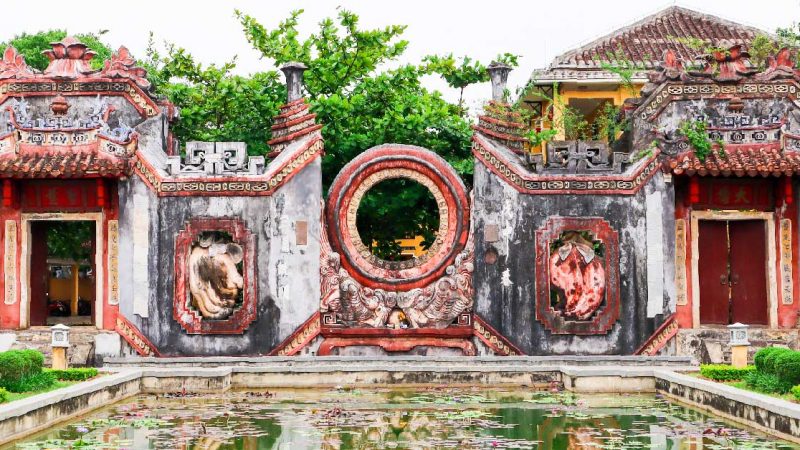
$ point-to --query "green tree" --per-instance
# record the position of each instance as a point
(216, 105)
(31, 46)
(361, 105)
(462, 72)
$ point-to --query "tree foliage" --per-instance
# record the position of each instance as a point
(214, 103)
(388, 198)
(355, 84)
(31, 46)
(462, 72)
(71, 240)
(362, 104)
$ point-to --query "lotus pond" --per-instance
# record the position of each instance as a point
(377, 419)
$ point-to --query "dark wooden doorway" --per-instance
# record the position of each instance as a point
(62, 284)
(39, 274)
(732, 272)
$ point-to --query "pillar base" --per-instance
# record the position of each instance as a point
(59, 358)
(739, 355)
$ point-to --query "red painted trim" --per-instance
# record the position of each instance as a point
(101, 192)
(504, 123)
(9, 314)
(289, 123)
(295, 135)
(659, 338)
(300, 338)
(499, 135)
(396, 344)
(495, 341)
(135, 338)
(449, 332)
(8, 193)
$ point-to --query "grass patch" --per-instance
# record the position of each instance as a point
(20, 395)
(743, 385)
(58, 384)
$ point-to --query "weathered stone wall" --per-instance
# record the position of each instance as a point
(287, 284)
(506, 290)
(778, 417)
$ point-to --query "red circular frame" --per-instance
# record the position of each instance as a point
(386, 158)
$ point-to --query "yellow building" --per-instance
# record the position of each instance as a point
(614, 67)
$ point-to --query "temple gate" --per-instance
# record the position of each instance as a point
(645, 246)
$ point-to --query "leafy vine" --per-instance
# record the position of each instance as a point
(695, 132)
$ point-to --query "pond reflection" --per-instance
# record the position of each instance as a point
(378, 419)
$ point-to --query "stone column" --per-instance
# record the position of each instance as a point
(498, 73)
(294, 80)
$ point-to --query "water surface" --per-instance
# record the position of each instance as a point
(409, 419)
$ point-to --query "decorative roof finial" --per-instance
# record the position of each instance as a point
(294, 80)
(68, 59)
(498, 73)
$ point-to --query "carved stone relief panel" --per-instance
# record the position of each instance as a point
(577, 275)
(215, 277)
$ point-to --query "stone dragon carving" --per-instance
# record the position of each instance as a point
(436, 305)
(214, 279)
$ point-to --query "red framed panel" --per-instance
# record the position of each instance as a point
(712, 271)
(722, 193)
(66, 195)
(577, 290)
(748, 256)
(187, 315)
(396, 161)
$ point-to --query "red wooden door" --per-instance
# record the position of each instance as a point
(39, 274)
(712, 244)
(748, 259)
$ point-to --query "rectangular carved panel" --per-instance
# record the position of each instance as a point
(787, 284)
(113, 262)
(301, 232)
(10, 262)
(680, 262)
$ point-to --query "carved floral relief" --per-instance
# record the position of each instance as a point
(346, 302)
(577, 275)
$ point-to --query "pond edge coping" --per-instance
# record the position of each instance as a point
(18, 409)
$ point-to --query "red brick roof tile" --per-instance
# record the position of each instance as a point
(740, 162)
(645, 41)
(63, 164)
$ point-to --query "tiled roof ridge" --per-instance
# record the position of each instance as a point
(502, 124)
(751, 161)
(609, 41)
(293, 122)
(66, 164)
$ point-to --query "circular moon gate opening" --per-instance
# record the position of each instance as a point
(398, 219)
(407, 165)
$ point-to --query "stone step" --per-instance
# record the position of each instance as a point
(711, 345)
(83, 349)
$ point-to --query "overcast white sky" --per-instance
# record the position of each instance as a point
(536, 30)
